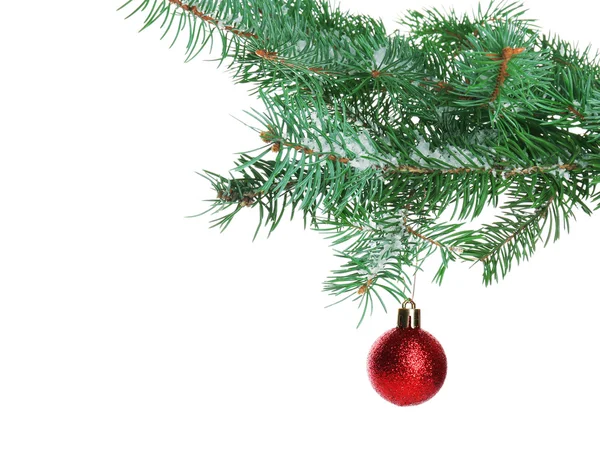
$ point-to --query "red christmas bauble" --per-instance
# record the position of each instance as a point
(407, 366)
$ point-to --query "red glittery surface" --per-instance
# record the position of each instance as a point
(407, 366)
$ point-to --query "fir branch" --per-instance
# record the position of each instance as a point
(372, 137)
(526, 224)
(377, 253)
(514, 237)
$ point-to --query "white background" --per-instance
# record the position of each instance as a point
(131, 336)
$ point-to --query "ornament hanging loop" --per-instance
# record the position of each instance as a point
(409, 317)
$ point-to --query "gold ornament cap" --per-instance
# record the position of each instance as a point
(409, 318)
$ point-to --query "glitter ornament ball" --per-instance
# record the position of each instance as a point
(407, 365)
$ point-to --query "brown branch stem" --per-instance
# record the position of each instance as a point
(274, 57)
(505, 56)
(209, 19)
(576, 112)
(433, 241)
(269, 137)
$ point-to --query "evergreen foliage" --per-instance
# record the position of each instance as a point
(375, 137)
